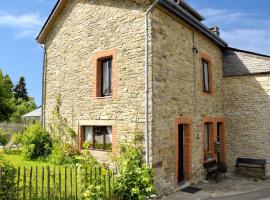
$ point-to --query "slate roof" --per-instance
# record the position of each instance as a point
(238, 62)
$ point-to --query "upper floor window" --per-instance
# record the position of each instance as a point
(106, 77)
(104, 65)
(206, 76)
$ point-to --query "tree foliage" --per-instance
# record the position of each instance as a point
(14, 101)
(20, 91)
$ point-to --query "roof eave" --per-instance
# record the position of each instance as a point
(180, 12)
(49, 22)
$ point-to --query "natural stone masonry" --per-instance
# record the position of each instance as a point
(84, 32)
(177, 91)
(247, 108)
(88, 30)
(247, 105)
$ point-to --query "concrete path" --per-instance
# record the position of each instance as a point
(256, 195)
(232, 188)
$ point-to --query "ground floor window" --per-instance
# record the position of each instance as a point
(98, 137)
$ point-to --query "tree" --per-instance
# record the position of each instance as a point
(20, 90)
(6, 104)
(22, 107)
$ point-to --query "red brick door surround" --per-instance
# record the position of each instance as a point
(187, 154)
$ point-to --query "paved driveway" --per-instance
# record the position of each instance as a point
(256, 195)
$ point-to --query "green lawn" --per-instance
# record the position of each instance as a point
(19, 161)
(61, 179)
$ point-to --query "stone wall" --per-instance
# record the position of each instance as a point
(177, 92)
(247, 108)
(87, 28)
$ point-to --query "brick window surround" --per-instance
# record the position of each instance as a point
(208, 59)
(81, 137)
(213, 121)
(97, 64)
(187, 122)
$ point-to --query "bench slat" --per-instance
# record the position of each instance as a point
(251, 161)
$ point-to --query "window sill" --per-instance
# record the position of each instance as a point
(207, 93)
(100, 150)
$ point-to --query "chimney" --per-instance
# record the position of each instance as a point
(215, 30)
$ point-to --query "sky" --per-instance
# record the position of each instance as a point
(244, 24)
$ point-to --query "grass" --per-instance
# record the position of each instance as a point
(19, 161)
(67, 183)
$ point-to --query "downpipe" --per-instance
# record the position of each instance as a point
(147, 159)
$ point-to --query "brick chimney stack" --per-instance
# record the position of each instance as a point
(215, 30)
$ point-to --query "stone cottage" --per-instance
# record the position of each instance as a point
(121, 65)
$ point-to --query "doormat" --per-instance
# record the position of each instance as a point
(191, 190)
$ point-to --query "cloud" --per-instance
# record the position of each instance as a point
(240, 29)
(25, 26)
(222, 16)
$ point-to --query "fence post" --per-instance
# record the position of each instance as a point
(70, 183)
(109, 182)
(30, 184)
(36, 182)
(59, 177)
(42, 183)
(65, 197)
(76, 187)
(24, 181)
(54, 183)
(48, 182)
(0, 178)
(18, 182)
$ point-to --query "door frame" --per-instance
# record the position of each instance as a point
(187, 122)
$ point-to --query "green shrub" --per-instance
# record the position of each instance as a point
(135, 180)
(3, 137)
(94, 191)
(63, 154)
(8, 180)
(36, 142)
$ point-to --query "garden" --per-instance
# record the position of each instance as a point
(40, 165)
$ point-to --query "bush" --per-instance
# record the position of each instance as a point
(63, 154)
(3, 137)
(94, 191)
(8, 180)
(36, 142)
(135, 180)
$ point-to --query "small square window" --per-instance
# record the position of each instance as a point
(98, 137)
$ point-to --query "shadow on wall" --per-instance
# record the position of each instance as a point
(247, 105)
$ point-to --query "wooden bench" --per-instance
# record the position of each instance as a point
(250, 163)
(213, 169)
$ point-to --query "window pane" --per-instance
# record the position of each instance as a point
(105, 74)
(88, 135)
(206, 76)
(206, 137)
(110, 76)
(99, 138)
(106, 77)
(108, 138)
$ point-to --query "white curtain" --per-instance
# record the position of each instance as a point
(88, 133)
(109, 135)
(206, 76)
(105, 75)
